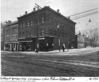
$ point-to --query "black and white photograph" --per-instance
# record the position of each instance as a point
(50, 38)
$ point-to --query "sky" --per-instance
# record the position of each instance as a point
(11, 9)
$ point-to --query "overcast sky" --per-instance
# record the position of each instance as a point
(11, 9)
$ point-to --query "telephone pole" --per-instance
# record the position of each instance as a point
(37, 41)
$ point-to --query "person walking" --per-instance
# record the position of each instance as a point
(37, 48)
(63, 47)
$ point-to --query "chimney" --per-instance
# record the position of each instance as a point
(25, 12)
(68, 17)
(34, 9)
(57, 10)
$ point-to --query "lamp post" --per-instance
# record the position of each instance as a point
(37, 43)
(58, 32)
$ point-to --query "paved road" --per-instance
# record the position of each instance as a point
(43, 64)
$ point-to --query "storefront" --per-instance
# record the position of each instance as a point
(25, 44)
(11, 46)
(31, 44)
(46, 43)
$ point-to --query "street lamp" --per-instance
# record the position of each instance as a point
(58, 26)
(37, 43)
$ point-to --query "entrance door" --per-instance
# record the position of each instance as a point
(46, 44)
(42, 45)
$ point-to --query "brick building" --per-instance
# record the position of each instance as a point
(2, 36)
(45, 29)
(11, 36)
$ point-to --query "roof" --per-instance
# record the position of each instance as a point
(12, 23)
(46, 8)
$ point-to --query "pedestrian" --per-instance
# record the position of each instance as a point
(37, 48)
(63, 47)
(47, 46)
(52, 46)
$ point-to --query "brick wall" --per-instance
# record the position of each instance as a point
(46, 22)
(11, 32)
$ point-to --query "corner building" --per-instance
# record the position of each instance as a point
(46, 30)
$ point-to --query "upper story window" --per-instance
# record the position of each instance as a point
(28, 24)
(23, 34)
(23, 24)
(38, 22)
(39, 19)
(42, 19)
(20, 25)
(13, 30)
(7, 32)
(31, 23)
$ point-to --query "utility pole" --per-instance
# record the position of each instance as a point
(37, 43)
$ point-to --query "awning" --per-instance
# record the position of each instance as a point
(45, 36)
(25, 40)
(41, 38)
(10, 42)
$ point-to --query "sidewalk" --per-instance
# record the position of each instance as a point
(69, 52)
(57, 52)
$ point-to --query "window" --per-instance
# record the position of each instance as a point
(42, 19)
(22, 34)
(23, 24)
(27, 33)
(14, 31)
(38, 20)
(31, 22)
(28, 24)
(20, 25)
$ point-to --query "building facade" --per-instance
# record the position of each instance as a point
(80, 41)
(84, 41)
(45, 29)
(11, 36)
(2, 36)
